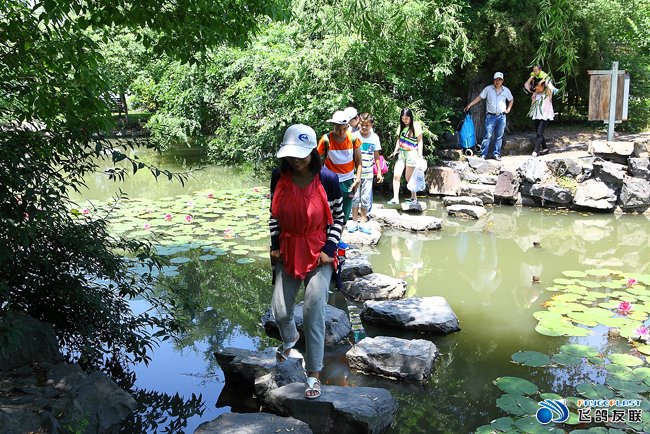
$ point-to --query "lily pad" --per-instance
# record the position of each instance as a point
(504, 424)
(516, 385)
(574, 273)
(550, 395)
(245, 260)
(529, 424)
(564, 281)
(208, 257)
(626, 386)
(517, 405)
(531, 358)
(179, 260)
(579, 350)
(625, 359)
(595, 391)
(566, 359)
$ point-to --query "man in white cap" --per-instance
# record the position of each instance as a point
(353, 119)
(499, 102)
(343, 157)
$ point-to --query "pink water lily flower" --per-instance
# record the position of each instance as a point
(210, 196)
(630, 282)
(25, 216)
(168, 216)
(146, 226)
(643, 333)
(85, 211)
(148, 211)
(625, 307)
(256, 189)
(188, 218)
(190, 204)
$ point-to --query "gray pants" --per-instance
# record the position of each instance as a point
(284, 298)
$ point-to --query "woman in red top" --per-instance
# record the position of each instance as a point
(305, 224)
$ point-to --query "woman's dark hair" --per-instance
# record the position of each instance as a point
(406, 112)
(315, 165)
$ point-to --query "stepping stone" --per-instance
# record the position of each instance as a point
(355, 267)
(339, 410)
(417, 207)
(417, 223)
(358, 238)
(337, 323)
(259, 370)
(424, 314)
(252, 423)
(375, 286)
(401, 359)
(462, 200)
(475, 212)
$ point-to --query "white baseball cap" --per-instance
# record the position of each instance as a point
(298, 142)
(339, 117)
(498, 75)
(350, 113)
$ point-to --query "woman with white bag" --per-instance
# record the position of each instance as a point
(410, 148)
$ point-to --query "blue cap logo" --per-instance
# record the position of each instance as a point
(303, 138)
(552, 410)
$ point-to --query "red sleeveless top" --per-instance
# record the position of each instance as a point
(303, 215)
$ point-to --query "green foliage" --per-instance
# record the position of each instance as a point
(57, 264)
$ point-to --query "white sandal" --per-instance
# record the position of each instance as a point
(312, 385)
(280, 353)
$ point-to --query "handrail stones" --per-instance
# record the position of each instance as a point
(392, 357)
(337, 323)
(339, 410)
(424, 314)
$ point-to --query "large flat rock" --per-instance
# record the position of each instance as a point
(443, 181)
(416, 223)
(355, 267)
(252, 423)
(401, 359)
(462, 200)
(375, 286)
(471, 211)
(424, 314)
(259, 370)
(339, 410)
(337, 323)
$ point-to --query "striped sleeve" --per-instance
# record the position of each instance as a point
(274, 226)
(335, 199)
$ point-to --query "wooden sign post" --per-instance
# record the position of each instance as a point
(608, 97)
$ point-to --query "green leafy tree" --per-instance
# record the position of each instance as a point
(58, 263)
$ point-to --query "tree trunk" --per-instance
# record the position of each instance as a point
(126, 109)
(478, 110)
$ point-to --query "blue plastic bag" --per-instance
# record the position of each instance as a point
(467, 138)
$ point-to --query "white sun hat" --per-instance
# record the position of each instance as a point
(298, 142)
(350, 113)
(339, 117)
(498, 75)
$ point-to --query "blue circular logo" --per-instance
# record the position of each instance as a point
(303, 138)
(544, 415)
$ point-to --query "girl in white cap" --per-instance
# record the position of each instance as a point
(306, 222)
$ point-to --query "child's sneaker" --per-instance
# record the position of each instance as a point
(392, 202)
(364, 230)
(353, 228)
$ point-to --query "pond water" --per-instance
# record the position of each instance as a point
(483, 268)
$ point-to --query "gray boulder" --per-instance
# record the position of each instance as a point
(635, 194)
(375, 286)
(401, 359)
(417, 207)
(339, 410)
(424, 314)
(28, 341)
(609, 172)
(642, 147)
(548, 192)
(471, 211)
(252, 423)
(482, 191)
(460, 166)
(355, 267)
(617, 152)
(443, 180)
(479, 179)
(462, 200)
(394, 219)
(507, 186)
(595, 195)
(259, 370)
(337, 323)
(479, 165)
(639, 167)
(564, 167)
(533, 170)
